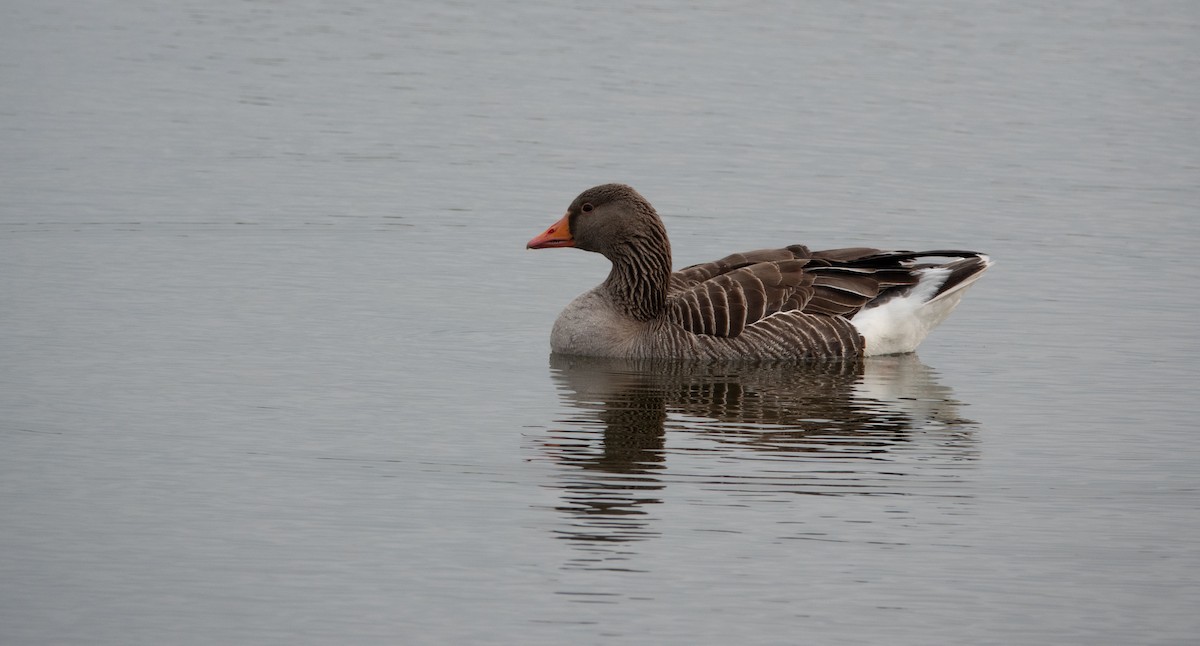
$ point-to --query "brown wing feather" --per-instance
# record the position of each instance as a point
(840, 292)
(726, 303)
(695, 274)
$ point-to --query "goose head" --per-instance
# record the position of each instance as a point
(608, 219)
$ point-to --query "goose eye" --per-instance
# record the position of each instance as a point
(587, 207)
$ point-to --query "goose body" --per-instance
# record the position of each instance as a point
(787, 303)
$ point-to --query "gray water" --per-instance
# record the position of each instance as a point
(274, 362)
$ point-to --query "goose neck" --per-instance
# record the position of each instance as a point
(641, 273)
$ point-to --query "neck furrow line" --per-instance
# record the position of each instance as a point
(639, 279)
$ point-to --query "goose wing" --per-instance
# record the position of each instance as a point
(724, 297)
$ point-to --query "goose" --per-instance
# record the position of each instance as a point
(770, 304)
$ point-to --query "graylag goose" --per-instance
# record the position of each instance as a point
(789, 303)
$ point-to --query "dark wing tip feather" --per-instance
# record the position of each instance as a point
(962, 271)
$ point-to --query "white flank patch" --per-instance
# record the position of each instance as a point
(899, 325)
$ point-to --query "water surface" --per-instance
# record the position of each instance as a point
(274, 363)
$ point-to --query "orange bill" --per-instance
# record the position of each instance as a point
(558, 235)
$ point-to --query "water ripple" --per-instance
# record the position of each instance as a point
(747, 434)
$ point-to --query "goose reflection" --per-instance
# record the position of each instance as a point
(873, 426)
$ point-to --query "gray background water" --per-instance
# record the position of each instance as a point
(274, 363)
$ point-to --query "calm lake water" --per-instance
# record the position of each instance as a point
(274, 362)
